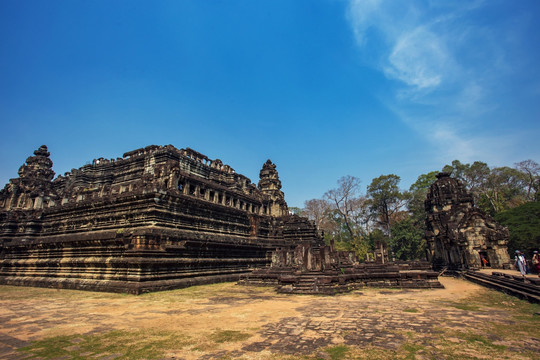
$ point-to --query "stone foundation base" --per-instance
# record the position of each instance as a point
(117, 286)
(331, 282)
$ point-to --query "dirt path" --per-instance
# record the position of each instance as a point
(382, 319)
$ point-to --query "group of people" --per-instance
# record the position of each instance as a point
(521, 262)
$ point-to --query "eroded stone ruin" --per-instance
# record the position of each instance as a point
(314, 268)
(458, 234)
(158, 218)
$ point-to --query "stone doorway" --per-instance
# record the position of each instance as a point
(484, 259)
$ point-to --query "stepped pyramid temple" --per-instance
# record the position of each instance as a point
(458, 234)
(158, 218)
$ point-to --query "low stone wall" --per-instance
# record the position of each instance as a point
(309, 269)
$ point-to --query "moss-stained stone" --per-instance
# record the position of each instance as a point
(158, 218)
(459, 235)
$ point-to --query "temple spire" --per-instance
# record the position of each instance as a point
(270, 185)
(32, 189)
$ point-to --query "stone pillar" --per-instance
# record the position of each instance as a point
(38, 202)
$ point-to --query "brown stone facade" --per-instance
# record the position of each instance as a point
(311, 268)
(158, 218)
(458, 234)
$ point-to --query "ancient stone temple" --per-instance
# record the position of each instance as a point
(458, 234)
(315, 268)
(158, 218)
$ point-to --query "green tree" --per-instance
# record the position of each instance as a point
(386, 199)
(349, 205)
(407, 241)
(375, 237)
(504, 189)
(495, 189)
(349, 215)
(418, 193)
(523, 223)
(531, 176)
(338, 231)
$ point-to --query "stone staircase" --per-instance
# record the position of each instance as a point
(312, 282)
(525, 288)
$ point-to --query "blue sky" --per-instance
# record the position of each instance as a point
(322, 88)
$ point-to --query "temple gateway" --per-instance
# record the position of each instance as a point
(459, 235)
(158, 218)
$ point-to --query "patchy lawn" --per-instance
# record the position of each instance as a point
(227, 321)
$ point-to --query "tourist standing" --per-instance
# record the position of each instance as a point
(484, 260)
(521, 263)
(536, 262)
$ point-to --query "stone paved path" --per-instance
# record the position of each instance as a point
(360, 323)
(283, 324)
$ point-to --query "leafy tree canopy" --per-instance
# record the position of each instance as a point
(407, 242)
(396, 217)
(386, 199)
(523, 222)
(417, 195)
(499, 188)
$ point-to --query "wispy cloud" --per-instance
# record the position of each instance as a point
(445, 66)
(362, 15)
(418, 58)
(412, 51)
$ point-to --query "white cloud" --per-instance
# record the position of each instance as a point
(467, 148)
(451, 139)
(414, 53)
(361, 14)
(418, 58)
(445, 65)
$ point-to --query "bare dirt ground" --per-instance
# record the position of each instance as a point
(228, 321)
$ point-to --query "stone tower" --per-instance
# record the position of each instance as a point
(458, 234)
(270, 185)
(33, 188)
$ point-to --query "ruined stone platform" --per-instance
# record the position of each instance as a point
(309, 269)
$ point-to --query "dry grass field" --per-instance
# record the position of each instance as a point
(227, 321)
